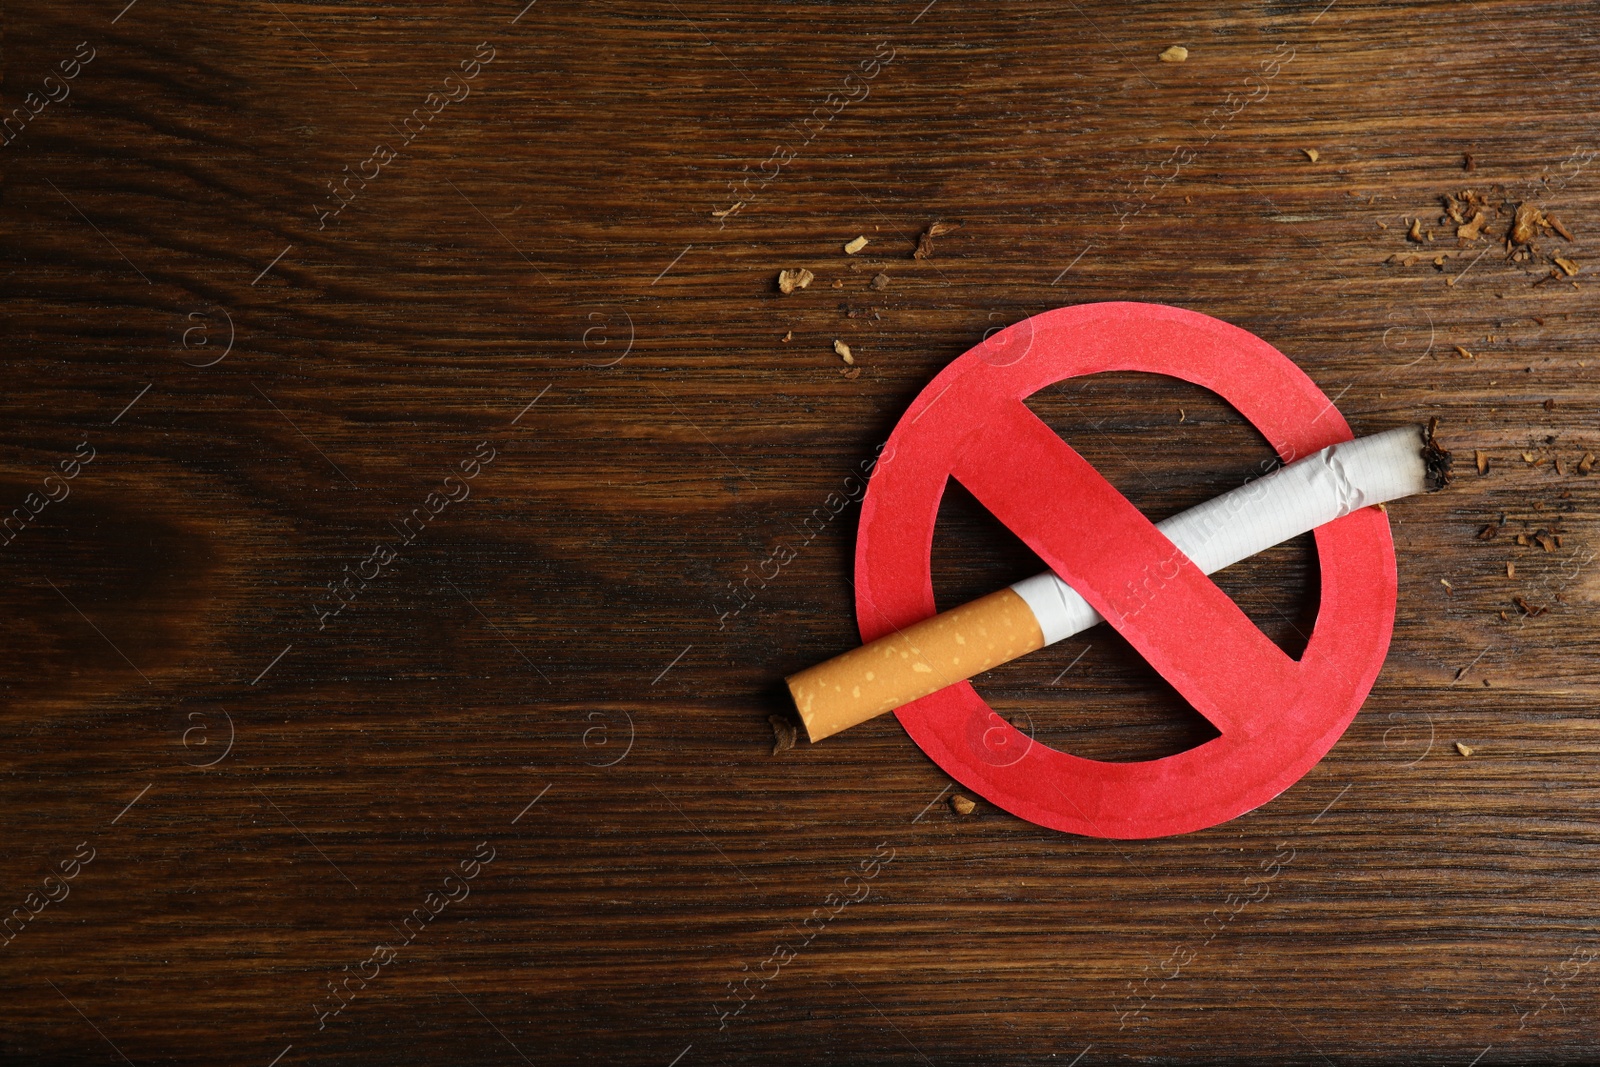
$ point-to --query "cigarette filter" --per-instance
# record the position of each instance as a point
(955, 645)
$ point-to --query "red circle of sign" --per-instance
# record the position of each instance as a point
(1277, 717)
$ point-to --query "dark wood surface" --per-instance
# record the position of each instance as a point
(269, 792)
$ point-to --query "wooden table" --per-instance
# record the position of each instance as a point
(397, 394)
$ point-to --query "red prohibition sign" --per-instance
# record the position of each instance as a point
(1276, 716)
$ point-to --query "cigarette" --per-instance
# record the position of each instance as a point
(966, 641)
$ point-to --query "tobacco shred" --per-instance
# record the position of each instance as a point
(1465, 750)
(1555, 224)
(790, 280)
(880, 281)
(1464, 205)
(784, 733)
(962, 805)
(1488, 532)
(1586, 464)
(1483, 460)
(1532, 611)
(1473, 229)
(1525, 225)
(855, 246)
(1567, 266)
(844, 352)
(925, 241)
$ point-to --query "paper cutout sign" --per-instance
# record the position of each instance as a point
(1277, 717)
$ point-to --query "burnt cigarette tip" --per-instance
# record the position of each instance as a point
(1435, 458)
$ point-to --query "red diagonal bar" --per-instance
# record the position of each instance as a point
(1102, 546)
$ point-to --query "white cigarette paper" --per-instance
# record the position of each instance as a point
(927, 656)
(1252, 518)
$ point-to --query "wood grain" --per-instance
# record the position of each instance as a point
(548, 239)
